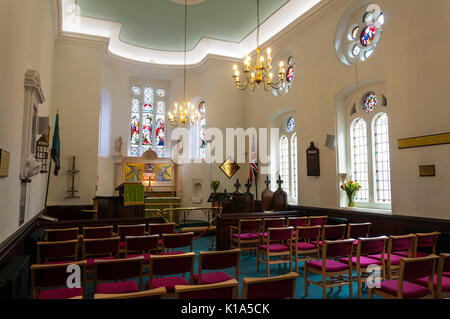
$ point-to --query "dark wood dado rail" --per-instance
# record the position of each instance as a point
(100, 222)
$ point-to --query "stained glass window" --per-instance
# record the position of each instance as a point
(201, 130)
(368, 35)
(290, 125)
(369, 102)
(284, 163)
(160, 92)
(136, 90)
(290, 74)
(294, 146)
(360, 163)
(382, 162)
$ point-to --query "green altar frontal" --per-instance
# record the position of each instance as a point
(162, 203)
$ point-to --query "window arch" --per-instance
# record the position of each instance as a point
(294, 166)
(284, 163)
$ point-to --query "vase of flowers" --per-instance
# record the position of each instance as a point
(351, 188)
(215, 185)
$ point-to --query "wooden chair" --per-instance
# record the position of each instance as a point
(172, 241)
(246, 235)
(424, 245)
(129, 230)
(340, 273)
(157, 293)
(441, 280)
(136, 246)
(297, 222)
(303, 249)
(278, 287)
(317, 220)
(97, 232)
(55, 275)
(267, 249)
(100, 249)
(57, 251)
(119, 271)
(221, 290)
(396, 244)
(363, 264)
(332, 232)
(159, 229)
(404, 288)
(61, 234)
(358, 230)
(168, 265)
(272, 223)
(217, 260)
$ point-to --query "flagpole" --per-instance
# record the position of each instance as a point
(48, 181)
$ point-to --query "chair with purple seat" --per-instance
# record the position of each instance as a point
(97, 232)
(246, 235)
(356, 230)
(340, 273)
(424, 245)
(278, 287)
(172, 241)
(101, 249)
(55, 276)
(272, 223)
(217, 260)
(411, 269)
(129, 230)
(157, 293)
(441, 280)
(396, 244)
(61, 234)
(141, 246)
(53, 252)
(332, 232)
(282, 249)
(303, 249)
(170, 265)
(120, 271)
(363, 264)
(297, 222)
(221, 290)
(159, 229)
(317, 220)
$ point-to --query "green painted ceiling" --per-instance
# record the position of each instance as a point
(159, 24)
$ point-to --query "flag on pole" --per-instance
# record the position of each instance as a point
(56, 147)
(253, 161)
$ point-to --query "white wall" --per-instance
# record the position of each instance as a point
(26, 37)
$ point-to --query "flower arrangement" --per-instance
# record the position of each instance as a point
(215, 185)
(351, 188)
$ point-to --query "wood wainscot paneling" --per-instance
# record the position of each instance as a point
(71, 212)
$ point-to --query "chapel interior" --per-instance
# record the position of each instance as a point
(239, 149)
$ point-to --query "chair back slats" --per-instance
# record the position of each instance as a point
(446, 262)
(177, 240)
(426, 242)
(281, 233)
(415, 268)
(54, 275)
(141, 243)
(159, 229)
(61, 234)
(130, 230)
(333, 232)
(61, 250)
(358, 230)
(281, 287)
(338, 248)
(297, 221)
(119, 269)
(171, 265)
(401, 243)
(97, 232)
(220, 259)
(309, 232)
(101, 247)
(249, 225)
(372, 246)
(317, 220)
(273, 223)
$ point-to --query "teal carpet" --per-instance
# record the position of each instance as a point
(247, 268)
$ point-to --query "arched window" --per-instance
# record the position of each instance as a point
(382, 163)
(201, 131)
(294, 166)
(360, 161)
(284, 163)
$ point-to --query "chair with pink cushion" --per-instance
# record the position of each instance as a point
(303, 249)
(356, 230)
(297, 222)
(129, 230)
(404, 287)
(157, 293)
(424, 245)
(278, 243)
(101, 249)
(246, 235)
(441, 280)
(217, 260)
(340, 273)
(332, 232)
(317, 220)
(170, 265)
(272, 223)
(221, 290)
(141, 246)
(277, 287)
(120, 271)
(57, 251)
(44, 277)
(61, 234)
(97, 232)
(396, 244)
(172, 241)
(363, 264)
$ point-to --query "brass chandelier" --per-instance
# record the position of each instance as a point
(184, 114)
(261, 72)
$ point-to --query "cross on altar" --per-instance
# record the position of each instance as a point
(279, 181)
(267, 181)
(248, 185)
(237, 185)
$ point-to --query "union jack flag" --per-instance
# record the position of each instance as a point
(253, 161)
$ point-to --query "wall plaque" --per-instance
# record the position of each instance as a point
(229, 167)
(428, 140)
(427, 170)
(4, 163)
(312, 161)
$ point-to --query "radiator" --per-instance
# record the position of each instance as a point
(14, 278)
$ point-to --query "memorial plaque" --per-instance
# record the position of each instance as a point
(4, 163)
(312, 161)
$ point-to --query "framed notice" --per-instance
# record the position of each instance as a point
(4, 163)
(427, 170)
(312, 161)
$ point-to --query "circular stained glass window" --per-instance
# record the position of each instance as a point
(290, 124)
(290, 74)
(136, 90)
(202, 108)
(369, 102)
(368, 35)
(161, 92)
